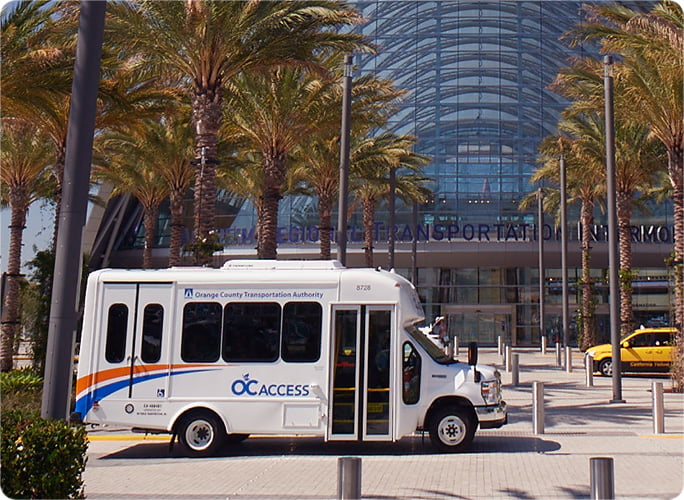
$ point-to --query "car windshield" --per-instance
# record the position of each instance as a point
(435, 352)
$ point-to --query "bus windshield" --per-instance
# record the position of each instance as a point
(430, 347)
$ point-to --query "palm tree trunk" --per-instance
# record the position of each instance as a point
(176, 209)
(206, 116)
(274, 176)
(150, 223)
(368, 207)
(624, 216)
(325, 203)
(588, 327)
(675, 165)
(10, 312)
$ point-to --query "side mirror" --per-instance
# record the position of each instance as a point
(625, 345)
(472, 353)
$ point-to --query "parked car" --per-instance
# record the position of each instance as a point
(644, 350)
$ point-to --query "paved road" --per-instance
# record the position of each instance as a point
(511, 462)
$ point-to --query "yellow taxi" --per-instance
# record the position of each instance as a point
(644, 350)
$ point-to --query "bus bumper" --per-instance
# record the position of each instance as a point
(492, 417)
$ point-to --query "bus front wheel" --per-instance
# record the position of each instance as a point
(452, 429)
(201, 433)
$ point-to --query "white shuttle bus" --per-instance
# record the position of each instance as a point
(273, 347)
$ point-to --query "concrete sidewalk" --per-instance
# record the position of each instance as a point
(511, 462)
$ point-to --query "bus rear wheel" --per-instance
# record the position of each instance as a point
(452, 429)
(201, 433)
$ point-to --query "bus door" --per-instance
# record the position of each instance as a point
(136, 327)
(361, 393)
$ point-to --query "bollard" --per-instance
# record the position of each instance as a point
(349, 478)
(508, 350)
(499, 345)
(543, 345)
(558, 354)
(538, 407)
(602, 484)
(568, 359)
(658, 407)
(589, 369)
(515, 379)
(456, 346)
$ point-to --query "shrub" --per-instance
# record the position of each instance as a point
(41, 458)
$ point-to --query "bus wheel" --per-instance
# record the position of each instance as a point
(201, 433)
(452, 429)
(606, 367)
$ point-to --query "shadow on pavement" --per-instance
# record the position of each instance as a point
(279, 446)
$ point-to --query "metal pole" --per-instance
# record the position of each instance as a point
(538, 407)
(456, 345)
(499, 345)
(568, 358)
(564, 250)
(414, 244)
(515, 378)
(558, 354)
(614, 297)
(341, 236)
(589, 369)
(542, 271)
(349, 478)
(543, 345)
(507, 351)
(68, 254)
(658, 407)
(602, 484)
(392, 216)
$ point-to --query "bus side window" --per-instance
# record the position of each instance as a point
(117, 323)
(302, 323)
(153, 321)
(410, 375)
(201, 341)
(251, 331)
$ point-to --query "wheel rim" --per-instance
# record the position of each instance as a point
(607, 368)
(199, 434)
(451, 430)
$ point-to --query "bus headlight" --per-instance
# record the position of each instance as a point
(491, 390)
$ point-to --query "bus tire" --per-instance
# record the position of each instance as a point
(452, 429)
(201, 433)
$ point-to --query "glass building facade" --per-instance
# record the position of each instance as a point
(477, 76)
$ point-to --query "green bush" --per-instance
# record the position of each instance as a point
(24, 379)
(41, 458)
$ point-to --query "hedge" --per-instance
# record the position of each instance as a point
(41, 458)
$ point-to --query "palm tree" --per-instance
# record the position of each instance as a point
(208, 43)
(126, 162)
(586, 177)
(637, 160)
(370, 164)
(25, 176)
(651, 45)
(166, 148)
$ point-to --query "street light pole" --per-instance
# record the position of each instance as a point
(564, 249)
(392, 217)
(341, 236)
(68, 257)
(614, 291)
(542, 271)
